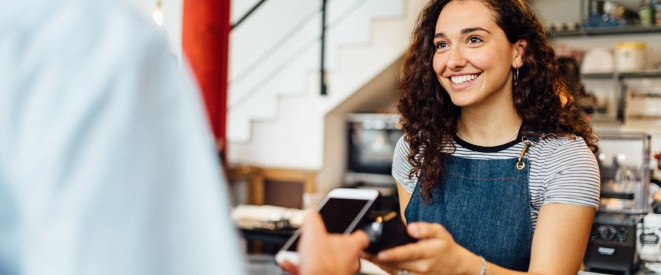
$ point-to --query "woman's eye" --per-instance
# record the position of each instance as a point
(474, 39)
(441, 45)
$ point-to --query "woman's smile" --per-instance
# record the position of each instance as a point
(462, 81)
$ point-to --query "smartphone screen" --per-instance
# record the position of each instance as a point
(338, 215)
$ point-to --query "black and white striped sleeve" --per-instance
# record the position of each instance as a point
(401, 166)
(572, 175)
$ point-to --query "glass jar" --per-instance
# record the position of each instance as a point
(630, 55)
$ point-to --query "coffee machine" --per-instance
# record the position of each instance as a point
(624, 166)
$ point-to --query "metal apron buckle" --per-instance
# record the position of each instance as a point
(519, 164)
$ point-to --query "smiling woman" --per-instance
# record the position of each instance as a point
(473, 59)
(495, 171)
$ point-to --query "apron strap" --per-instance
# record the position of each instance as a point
(519, 164)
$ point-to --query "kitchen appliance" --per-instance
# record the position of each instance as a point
(612, 244)
(623, 160)
(649, 236)
(624, 165)
(371, 138)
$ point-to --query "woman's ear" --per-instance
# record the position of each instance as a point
(518, 49)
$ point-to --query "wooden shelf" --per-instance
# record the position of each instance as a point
(275, 186)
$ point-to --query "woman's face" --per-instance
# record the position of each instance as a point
(473, 57)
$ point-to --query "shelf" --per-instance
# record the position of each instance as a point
(605, 31)
(598, 75)
(644, 117)
(621, 75)
(645, 95)
(646, 73)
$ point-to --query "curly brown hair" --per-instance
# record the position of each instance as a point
(541, 97)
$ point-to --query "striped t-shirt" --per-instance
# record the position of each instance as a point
(562, 170)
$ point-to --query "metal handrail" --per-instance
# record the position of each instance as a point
(322, 67)
(253, 9)
(277, 45)
(251, 92)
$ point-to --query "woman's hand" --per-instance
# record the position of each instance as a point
(435, 253)
(324, 253)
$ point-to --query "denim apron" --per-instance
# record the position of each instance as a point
(485, 205)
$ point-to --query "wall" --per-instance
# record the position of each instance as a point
(379, 94)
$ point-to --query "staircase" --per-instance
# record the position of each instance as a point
(275, 111)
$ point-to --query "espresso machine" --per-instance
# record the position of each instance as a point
(624, 167)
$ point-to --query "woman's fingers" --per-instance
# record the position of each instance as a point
(407, 252)
(423, 266)
(413, 267)
(423, 230)
(434, 240)
(407, 257)
(427, 256)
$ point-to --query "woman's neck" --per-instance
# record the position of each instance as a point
(488, 127)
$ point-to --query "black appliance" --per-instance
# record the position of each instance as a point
(624, 166)
(371, 141)
(612, 244)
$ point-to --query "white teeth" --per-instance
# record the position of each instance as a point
(462, 78)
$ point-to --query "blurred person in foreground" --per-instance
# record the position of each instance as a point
(106, 161)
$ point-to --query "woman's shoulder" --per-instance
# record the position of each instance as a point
(560, 144)
(402, 147)
(401, 166)
(558, 154)
(569, 171)
(562, 155)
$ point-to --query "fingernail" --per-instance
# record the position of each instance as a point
(383, 256)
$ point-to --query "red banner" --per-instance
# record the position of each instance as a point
(205, 42)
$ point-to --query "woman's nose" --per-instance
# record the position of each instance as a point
(456, 58)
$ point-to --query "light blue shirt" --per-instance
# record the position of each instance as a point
(107, 164)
